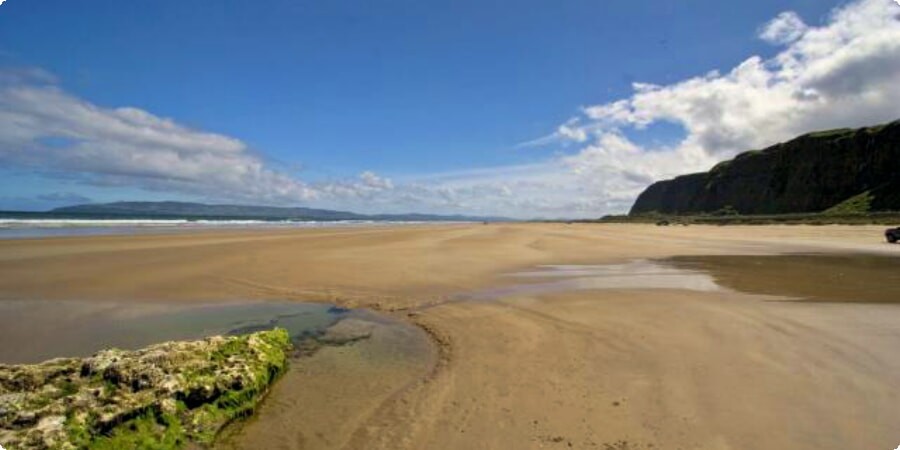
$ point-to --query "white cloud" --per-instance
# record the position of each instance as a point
(365, 187)
(46, 129)
(572, 132)
(375, 182)
(784, 29)
(43, 127)
(842, 73)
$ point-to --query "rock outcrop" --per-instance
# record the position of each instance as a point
(163, 396)
(853, 170)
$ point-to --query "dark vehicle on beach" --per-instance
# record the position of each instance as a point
(892, 235)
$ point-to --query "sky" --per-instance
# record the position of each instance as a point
(527, 109)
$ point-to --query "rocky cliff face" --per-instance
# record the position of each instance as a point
(857, 169)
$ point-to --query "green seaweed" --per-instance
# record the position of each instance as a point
(149, 431)
(230, 348)
(77, 430)
(67, 388)
(266, 359)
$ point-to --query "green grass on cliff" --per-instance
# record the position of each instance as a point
(833, 218)
(858, 204)
(831, 133)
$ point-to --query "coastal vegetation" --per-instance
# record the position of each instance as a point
(834, 217)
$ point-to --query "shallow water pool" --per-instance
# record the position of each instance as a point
(846, 277)
(37, 330)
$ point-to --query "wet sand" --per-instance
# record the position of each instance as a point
(620, 367)
(324, 398)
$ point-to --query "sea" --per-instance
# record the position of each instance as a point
(29, 225)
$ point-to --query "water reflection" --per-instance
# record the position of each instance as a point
(37, 330)
(639, 274)
(861, 278)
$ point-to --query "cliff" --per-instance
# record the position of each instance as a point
(846, 170)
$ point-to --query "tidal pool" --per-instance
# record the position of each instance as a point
(849, 277)
(323, 398)
(858, 277)
(637, 274)
(360, 358)
(37, 330)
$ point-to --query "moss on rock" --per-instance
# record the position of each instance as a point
(160, 397)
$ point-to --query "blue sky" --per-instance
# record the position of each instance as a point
(372, 105)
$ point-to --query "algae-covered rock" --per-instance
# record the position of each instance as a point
(163, 396)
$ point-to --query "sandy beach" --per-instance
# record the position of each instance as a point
(609, 368)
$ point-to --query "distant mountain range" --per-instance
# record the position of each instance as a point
(204, 211)
(842, 171)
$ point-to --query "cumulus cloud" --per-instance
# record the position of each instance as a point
(48, 130)
(43, 127)
(374, 182)
(365, 187)
(842, 73)
(784, 29)
(51, 131)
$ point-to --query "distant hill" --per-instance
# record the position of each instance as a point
(200, 210)
(841, 171)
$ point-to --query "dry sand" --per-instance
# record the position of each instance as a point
(608, 369)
